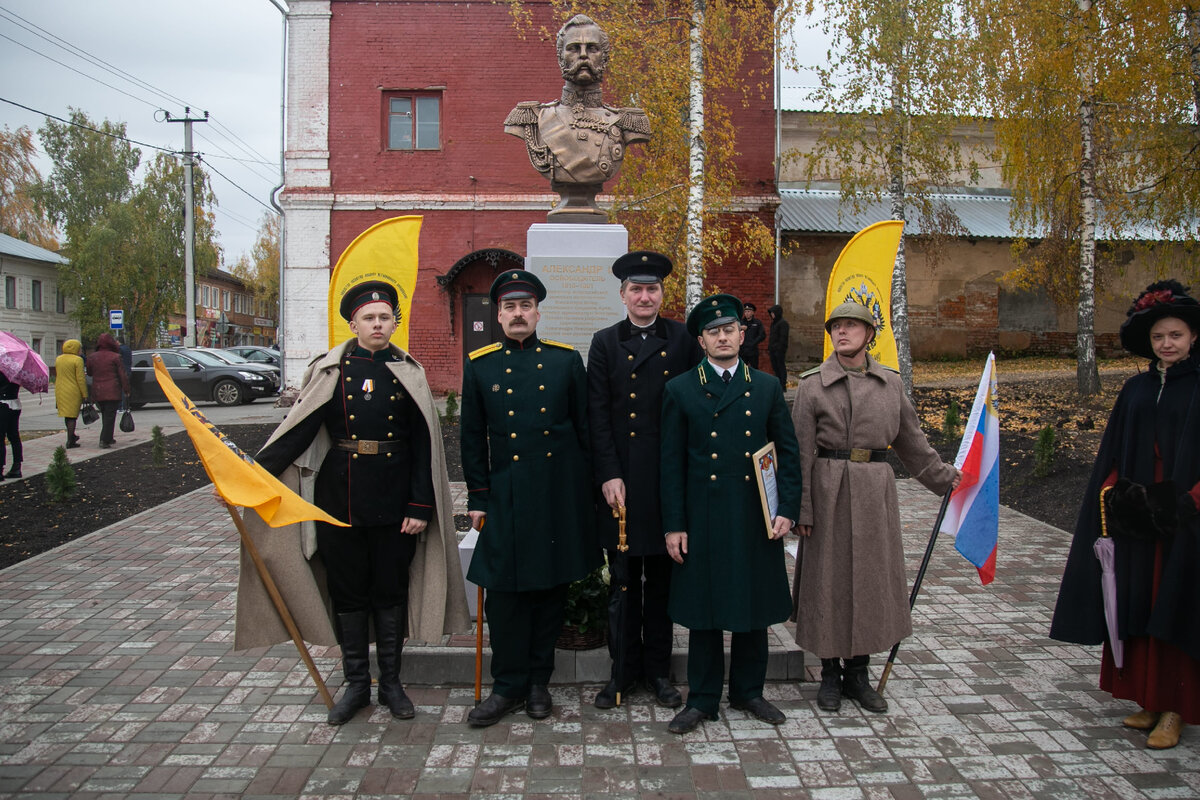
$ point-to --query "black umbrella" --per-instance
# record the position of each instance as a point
(618, 575)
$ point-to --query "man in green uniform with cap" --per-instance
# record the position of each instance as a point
(525, 459)
(729, 563)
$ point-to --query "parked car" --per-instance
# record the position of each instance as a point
(257, 353)
(201, 377)
(229, 357)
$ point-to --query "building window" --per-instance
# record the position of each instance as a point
(204, 295)
(36, 345)
(37, 296)
(10, 291)
(60, 302)
(225, 299)
(414, 121)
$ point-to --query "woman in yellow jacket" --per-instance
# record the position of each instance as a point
(70, 387)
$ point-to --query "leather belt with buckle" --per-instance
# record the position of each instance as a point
(859, 455)
(366, 447)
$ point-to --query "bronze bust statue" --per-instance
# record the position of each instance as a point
(578, 142)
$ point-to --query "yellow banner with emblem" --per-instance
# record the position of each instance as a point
(863, 275)
(386, 251)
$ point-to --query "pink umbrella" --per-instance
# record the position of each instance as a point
(22, 365)
(1105, 552)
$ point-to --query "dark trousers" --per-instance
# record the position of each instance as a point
(706, 667)
(522, 629)
(366, 566)
(10, 429)
(646, 639)
(108, 419)
(779, 368)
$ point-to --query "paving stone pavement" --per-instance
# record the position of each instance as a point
(117, 680)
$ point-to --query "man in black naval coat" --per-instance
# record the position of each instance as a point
(377, 475)
(756, 334)
(524, 435)
(629, 363)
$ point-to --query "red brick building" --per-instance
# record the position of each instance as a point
(397, 107)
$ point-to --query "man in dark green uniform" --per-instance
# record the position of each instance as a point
(729, 571)
(525, 459)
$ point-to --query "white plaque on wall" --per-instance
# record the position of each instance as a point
(575, 263)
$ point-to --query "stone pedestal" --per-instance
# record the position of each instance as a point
(575, 263)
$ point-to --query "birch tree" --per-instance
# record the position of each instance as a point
(20, 216)
(692, 67)
(1086, 97)
(896, 84)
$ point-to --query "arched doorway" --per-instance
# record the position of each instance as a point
(469, 279)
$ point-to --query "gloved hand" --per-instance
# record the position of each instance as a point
(1129, 514)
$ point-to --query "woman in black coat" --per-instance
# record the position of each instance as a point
(1150, 459)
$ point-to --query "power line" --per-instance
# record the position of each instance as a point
(240, 189)
(226, 154)
(79, 52)
(173, 153)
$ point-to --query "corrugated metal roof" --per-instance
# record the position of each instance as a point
(17, 248)
(985, 216)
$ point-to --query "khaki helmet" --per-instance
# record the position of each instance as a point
(851, 310)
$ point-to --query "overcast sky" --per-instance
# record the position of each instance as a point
(219, 56)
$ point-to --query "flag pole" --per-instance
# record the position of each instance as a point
(912, 597)
(280, 606)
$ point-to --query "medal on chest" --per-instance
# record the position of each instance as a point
(367, 387)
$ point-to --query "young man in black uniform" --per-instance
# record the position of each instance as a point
(525, 458)
(755, 335)
(629, 363)
(377, 475)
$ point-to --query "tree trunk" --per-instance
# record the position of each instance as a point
(896, 188)
(694, 281)
(1087, 376)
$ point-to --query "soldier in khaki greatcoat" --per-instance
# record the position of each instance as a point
(525, 459)
(729, 573)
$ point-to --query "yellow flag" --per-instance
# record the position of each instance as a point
(386, 251)
(237, 477)
(863, 274)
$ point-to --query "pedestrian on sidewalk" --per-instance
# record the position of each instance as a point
(755, 334)
(777, 344)
(729, 572)
(524, 432)
(850, 592)
(126, 353)
(629, 364)
(110, 384)
(70, 387)
(10, 427)
(1150, 459)
(365, 420)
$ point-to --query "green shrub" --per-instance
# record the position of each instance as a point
(451, 414)
(158, 447)
(951, 420)
(60, 476)
(1043, 452)
(587, 602)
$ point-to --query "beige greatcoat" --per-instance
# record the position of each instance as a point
(437, 602)
(852, 594)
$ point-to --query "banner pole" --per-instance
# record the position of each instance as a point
(280, 606)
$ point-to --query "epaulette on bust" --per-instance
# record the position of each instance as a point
(483, 351)
(633, 119)
(553, 343)
(526, 113)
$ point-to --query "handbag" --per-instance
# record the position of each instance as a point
(88, 412)
(126, 424)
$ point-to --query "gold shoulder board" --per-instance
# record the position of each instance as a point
(553, 343)
(483, 351)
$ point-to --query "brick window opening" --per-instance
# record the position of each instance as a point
(413, 121)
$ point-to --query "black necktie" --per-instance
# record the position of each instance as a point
(726, 376)
(643, 331)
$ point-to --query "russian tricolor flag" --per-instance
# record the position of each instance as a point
(973, 513)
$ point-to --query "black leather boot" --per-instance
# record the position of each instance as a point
(856, 685)
(389, 640)
(356, 667)
(829, 696)
(15, 472)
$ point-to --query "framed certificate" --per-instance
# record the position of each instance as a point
(765, 464)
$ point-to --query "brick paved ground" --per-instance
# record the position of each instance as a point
(116, 680)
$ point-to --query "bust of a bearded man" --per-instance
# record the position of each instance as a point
(578, 142)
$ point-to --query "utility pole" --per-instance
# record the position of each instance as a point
(189, 225)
